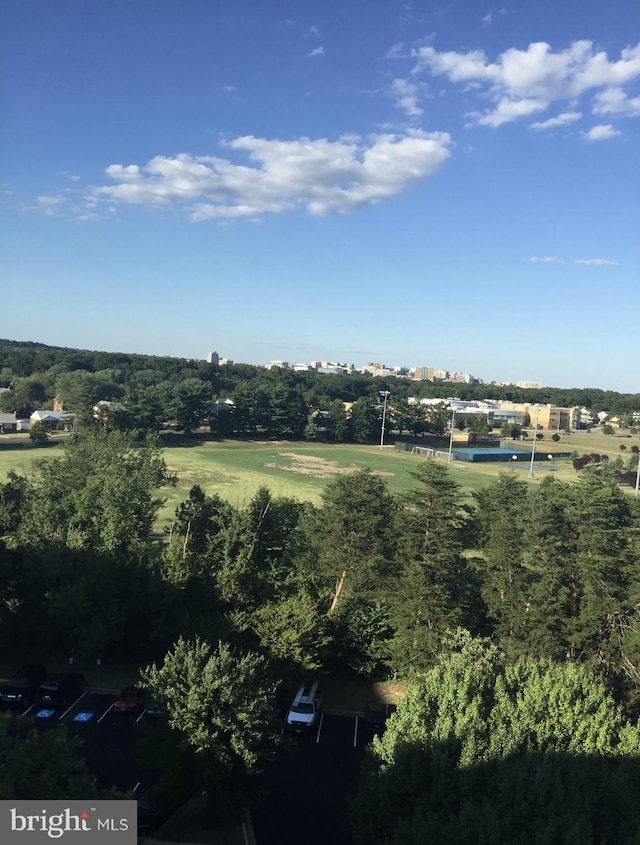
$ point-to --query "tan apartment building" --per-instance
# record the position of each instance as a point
(547, 417)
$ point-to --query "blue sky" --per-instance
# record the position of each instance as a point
(451, 184)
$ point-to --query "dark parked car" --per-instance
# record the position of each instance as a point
(61, 690)
(129, 700)
(21, 689)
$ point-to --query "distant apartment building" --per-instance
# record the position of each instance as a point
(423, 374)
(334, 370)
(548, 417)
(280, 365)
(375, 369)
(213, 358)
(225, 362)
(461, 378)
(529, 385)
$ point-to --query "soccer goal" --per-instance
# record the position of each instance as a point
(422, 450)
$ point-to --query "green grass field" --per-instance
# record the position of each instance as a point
(236, 469)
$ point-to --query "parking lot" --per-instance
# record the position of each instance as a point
(305, 794)
(109, 738)
(307, 788)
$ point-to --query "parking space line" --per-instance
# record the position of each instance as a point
(141, 715)
(319, 728)
(72, 706)
(29, 708)
(355, 734)
(110, 707)
(136, 787)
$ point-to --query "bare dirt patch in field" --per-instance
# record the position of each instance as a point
(317, 467)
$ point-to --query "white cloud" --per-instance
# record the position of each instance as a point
(405, 97)
(602, 132)
(324, 177)
(319, 51)
(615, 101)
(523, 81)
(71, 176)
(563, 119)
(50, 204)
(552, 259)
(397, 51)
(508, 110)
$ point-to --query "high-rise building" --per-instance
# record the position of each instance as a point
(213, 358)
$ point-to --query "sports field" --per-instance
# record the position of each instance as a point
(236, 469)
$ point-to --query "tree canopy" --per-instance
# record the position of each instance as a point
(481, 750)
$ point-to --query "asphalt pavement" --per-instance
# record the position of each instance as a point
(304, 795)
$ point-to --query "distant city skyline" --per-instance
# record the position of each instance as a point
(358, 180)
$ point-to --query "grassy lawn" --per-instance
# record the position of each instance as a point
(236, 469)
(22, 458)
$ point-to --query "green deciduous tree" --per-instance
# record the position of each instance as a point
(26, 396)
(365, 420)
(38, 433)
(478, 741)
(99, 495)
(190, 403)
(79, 390)
(217, 700)
(41, 765)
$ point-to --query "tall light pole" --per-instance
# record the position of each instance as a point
(533, 449)
(386, 395)
(453, 419)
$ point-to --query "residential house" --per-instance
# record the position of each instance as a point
(8, 423)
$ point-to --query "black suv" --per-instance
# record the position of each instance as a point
(21, 689)
(61, 689)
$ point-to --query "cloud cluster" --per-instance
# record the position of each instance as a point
(552, 259)
(321, 176)
(405, 97)
(522, 83)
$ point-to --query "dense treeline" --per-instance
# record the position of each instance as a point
(280, 403)
(488, 751)
(231, 600)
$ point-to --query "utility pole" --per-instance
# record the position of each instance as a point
(453, 419)
(533, 449)
(386, 395)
